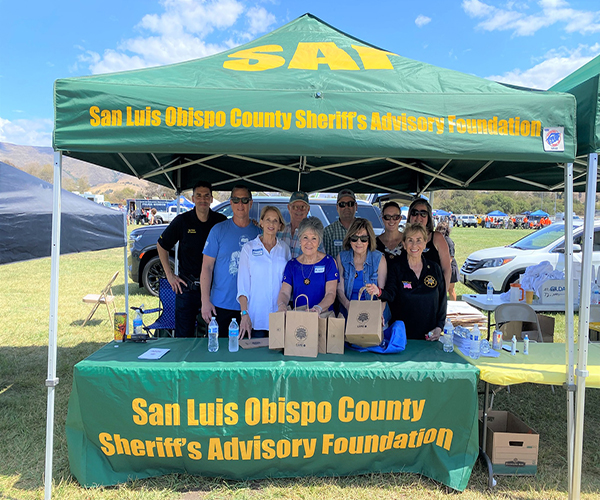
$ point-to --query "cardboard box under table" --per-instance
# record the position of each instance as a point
(512, 445)
(520, 328)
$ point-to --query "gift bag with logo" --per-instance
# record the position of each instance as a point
(301, 332)
(363, 326)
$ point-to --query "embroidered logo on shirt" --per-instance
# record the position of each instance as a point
(319, 269)
(191, 231)
(430, 281)
(257, 252)
(407, 285)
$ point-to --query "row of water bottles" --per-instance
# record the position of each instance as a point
(213, 335)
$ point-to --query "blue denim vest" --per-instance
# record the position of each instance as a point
(370, 269)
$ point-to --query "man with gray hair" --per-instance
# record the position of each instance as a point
(218, 280)
(334, 234)
(298, 208)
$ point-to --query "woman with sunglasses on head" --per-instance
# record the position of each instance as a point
(436, 250)
(359, 263)
(389, 243)
(415, 289)
(312, 273)
(260, 272)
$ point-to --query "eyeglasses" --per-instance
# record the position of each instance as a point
(235, 200)
(344, 204)
(392, 217)
(420, 213)
(364, 238)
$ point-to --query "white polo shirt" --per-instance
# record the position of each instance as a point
(260, 275)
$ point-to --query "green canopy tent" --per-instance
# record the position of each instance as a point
(584, 84)
(308, 105)
(309, 99)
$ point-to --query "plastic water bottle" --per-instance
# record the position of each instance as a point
(497, 341)
(137, 321)
(490, 291)
(526, 345)
(448, 340)
(234, 333)
(213, 335)
(513, 347)
(595, 294)
(474, 345)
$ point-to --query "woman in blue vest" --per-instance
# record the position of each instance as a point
(359, 263)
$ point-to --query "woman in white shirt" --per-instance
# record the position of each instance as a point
(260, 272)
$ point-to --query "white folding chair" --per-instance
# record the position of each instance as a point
(506, 313)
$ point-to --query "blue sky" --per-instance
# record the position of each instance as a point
(530, 43)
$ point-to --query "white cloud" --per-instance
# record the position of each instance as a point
(555, 65)
(514, 17)
(27, 132)
(178, 34)
(422, 20)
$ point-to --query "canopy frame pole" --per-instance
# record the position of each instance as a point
(126, 276)
(165, 169)
(434, 177)
(569, 318)
(476, 174)
(584, 318)
(52, 379)
(443, 177)
(178, 195)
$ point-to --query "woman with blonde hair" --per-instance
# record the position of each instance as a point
(262, 261)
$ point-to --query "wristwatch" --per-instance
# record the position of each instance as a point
(244, 312)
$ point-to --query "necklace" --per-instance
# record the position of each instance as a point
(307, 278)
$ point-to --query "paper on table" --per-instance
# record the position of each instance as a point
(154, 353)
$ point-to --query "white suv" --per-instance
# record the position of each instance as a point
(502, 265)
(467, 220)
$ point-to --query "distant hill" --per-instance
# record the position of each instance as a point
(37, 161)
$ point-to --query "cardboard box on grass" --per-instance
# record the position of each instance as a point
(519, 328)
(301, 332)
(511, 445)
(363, 326)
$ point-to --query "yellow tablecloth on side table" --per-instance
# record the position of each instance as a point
(546, 364)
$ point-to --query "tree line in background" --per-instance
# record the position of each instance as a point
(474, 202)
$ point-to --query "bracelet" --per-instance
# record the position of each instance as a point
(380, 292)
(320, 308)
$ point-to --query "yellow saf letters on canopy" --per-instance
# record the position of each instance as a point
(309, 55)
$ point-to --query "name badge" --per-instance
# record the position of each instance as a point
(319, 269)
(257, 252)
(337, 243)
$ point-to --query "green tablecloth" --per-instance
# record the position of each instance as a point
(257, 414)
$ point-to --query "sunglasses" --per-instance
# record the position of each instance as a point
(344, 204)
(420, 213)
(392, 217)
(235, 200)
(364, 238)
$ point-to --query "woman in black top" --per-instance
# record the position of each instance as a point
(389, 243)
(415, 289)
(436, 250)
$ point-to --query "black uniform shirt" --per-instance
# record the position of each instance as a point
(191, 233)
(419, 302)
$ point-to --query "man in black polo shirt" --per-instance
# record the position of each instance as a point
(190, 229)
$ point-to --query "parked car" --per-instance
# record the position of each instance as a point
(467, 221)
(502, 265)
(144, 264)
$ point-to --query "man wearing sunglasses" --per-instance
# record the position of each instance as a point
(334, 234)
(190, 229)
(218, 280)
(298, 207)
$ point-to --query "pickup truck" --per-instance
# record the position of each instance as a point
(169, 215)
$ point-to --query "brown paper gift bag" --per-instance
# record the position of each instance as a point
(323, 317)
(363, 326)
(276, 330)
(301, 332)
(335, 334)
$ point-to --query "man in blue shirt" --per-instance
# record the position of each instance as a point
(218, 280)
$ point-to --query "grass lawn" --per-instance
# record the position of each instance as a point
(24, 304)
